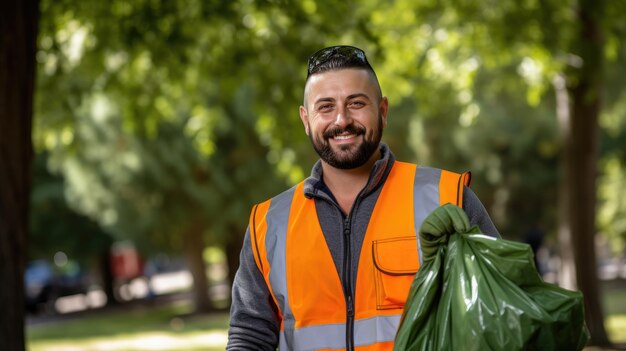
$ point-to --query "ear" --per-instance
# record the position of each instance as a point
(383, 108)
(304, 117)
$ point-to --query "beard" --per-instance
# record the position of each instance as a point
(348, 156)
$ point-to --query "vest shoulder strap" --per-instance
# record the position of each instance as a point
(257, 227)
(451, 186)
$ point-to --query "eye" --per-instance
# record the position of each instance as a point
(325, 108)
(356, 104)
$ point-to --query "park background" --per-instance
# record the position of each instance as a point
(155, 125)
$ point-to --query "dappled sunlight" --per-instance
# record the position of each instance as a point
(160, 123)
(140, 288)
(161, 326)
(140, 341)
(79, 302)
(616, 327)
(169, 282)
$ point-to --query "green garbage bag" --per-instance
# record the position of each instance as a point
(475, 292)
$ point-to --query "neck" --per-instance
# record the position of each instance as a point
(345, 184)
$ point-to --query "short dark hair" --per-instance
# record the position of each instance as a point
(338, 57)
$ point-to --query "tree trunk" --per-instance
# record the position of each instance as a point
(194, 248)
(18, 33)
(581, 157)
(106, 276)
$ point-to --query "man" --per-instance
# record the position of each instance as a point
(328, 264)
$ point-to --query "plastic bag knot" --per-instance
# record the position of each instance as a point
(440, 224)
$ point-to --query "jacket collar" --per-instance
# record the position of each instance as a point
(314, 185)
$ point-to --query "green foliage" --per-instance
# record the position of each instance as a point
(612, 193)
(459, 77)
(54, 226)
(159, 113)
(164, 113)
(475, 82)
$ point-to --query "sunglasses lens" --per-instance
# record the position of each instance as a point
(348, 52)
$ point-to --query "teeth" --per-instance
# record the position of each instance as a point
(343, 137)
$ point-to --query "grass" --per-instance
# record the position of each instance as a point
(616, 328)
(614, 303)
(170, 327)
(158, 328)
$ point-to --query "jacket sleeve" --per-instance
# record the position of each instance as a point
(254, 323)
(478, 214)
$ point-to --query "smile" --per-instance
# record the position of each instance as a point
(344, 137)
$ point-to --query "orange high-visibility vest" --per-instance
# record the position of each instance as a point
(291, 252)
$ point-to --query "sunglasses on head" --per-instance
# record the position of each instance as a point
(345, 51)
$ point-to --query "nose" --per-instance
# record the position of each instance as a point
(343, 118)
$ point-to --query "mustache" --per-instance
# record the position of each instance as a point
(351, 129)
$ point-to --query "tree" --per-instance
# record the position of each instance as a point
(202, 94)
(580, 132)
(55, 227)
(540, 42)
(173, 131)
(18, 28)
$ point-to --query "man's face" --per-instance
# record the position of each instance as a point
(344, 116)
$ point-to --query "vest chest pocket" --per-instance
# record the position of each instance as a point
(395, 263)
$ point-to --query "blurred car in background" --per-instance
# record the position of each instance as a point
(44, 283)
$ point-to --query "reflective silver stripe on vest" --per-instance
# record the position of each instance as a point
(275, 245)
(333, 336)
(376, 329)
(425, 197)
(315, 337)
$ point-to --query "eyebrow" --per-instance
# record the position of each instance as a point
(324, 99)
(354, 96)
(350, 97)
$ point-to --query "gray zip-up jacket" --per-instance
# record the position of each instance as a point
(254, 323)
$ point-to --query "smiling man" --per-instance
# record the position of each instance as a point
(328, 263)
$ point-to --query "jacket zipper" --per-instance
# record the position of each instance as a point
(347, 260)
(347, 283)
(347, 269)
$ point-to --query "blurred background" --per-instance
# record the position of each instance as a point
(158, 124)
